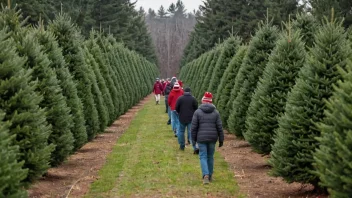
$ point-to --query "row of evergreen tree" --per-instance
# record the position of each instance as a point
(117, 17)
(288, 93)
(218, 18)
(58, 91)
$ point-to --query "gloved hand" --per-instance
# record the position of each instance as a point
(221, 144)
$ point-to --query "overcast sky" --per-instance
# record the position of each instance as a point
(155, 4)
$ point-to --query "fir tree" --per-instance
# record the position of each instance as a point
(110, 61)
(20, 102)
(226, 84)
(295, 138)
(54, 103)
(69, 89)
(97, 95)
(103, 78)
(70, 41)
(11, 173)
(248, 75)
(210, 70)
(203, 73)
(228, 51)
(333, 158)
(307, 25)
(269, 99)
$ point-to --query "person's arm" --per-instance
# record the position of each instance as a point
(169, 100)
(195, 104)
(178, 104)
(219, 129)
(194, 127)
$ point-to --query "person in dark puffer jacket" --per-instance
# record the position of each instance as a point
(186, 105)
(206, 131)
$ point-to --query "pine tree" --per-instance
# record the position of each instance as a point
(333, 158)
(20, 102)
(161, 12)
(248, 75)
(228, 51)
(269, 99)
(226, 84)
(57, 62)
(70, 41)
(295, 138)
(11, 173)
(54, 103)
(103, 77)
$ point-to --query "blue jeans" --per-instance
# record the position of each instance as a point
(169, 112)
(174, 122)
(206, 156)
(181, 134)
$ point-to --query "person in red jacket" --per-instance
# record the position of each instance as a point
(180, 83)
(157, 90)
(175, 93)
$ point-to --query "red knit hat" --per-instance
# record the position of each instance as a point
(176, 86)
(208, 97)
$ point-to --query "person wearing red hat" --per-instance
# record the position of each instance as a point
(206, 131)
(157, 90)
(175, 93)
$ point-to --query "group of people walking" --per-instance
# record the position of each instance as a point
(203, 123)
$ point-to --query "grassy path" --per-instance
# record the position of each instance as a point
(146, 162)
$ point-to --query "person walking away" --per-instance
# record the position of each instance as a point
(167, 91)
(206, 131)
(173, 81)
(175, 93)
(186, 105)
(157, 90)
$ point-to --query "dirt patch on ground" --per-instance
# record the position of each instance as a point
(75, 175)
(251, 173)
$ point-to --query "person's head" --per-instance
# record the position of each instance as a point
(188, 89)
(207, 98)
(177, 86)
(157, 79)
(162, 80)
(168, 79)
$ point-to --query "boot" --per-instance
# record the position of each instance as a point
(206, 179)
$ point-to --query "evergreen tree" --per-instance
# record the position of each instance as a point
(172, 9)
(11, 173)
(114, 85)
(203, 73)
(269, 99)
(210, 70)
(226, 84)
(70, 41)
(307, 25)
(93, 69)
(162, 13)
(103, 77)
(333, 158)
(20, 102)
(57, 61)
(54, 103)
(295, 138)
(248, 75)
(322, 8)
(228, 51)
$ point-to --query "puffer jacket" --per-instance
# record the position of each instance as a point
(207, 125)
